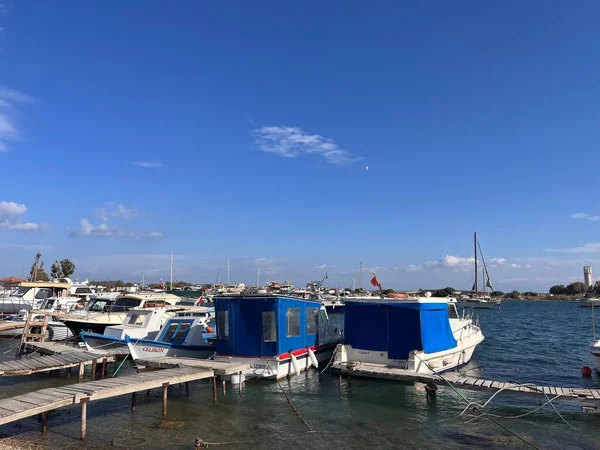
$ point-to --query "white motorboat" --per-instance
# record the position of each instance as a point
(477, 302)
(140, 323)
(97, 322)
(30, 294)
(419, 334)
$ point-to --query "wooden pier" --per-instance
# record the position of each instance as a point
(589, 396)
(221, 368)
(44, 400)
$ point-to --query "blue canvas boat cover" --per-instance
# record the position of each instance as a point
(398, 327)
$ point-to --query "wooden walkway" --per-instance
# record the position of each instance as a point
(463, 382)
(221, 368)
(44, 400)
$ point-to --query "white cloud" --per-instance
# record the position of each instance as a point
(578, 216)
(148, 164)
(102, 230)
(8, 129)
(413, 268)
(292, 142)
(582, 216)
(322, 266)
(156, 234)
(593, 247)
(451, 262)
(11, 214)
(116, 210)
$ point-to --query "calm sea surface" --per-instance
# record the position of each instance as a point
(535, 341)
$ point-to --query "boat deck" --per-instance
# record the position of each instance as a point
(460, 381)
(58, 348)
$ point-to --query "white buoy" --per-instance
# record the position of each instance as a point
(295, 363)
(313, 358)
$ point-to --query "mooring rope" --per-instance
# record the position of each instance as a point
(477, 406)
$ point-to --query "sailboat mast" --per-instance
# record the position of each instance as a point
(475, 246)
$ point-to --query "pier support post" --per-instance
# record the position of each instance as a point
(69, 372)
(164, 402)
(94, 365)
(133, 400)
(103, 366)
(187, 389)
(44, 422)
(81, 371)
(84, 401)
(214, 383)
(224, 388)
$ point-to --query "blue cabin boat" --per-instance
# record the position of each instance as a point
(419, 334)
(276, 335)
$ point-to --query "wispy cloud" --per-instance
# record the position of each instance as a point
(292, 142)
(9, 132)
(459, 264)
(148, 164)
(593, 247)
(585, 216)
(11, 215)
(116, 210)
(322, 266)
(156, 234)
(101, 230)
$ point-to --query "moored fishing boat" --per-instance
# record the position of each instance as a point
(185, 335)
(418, 334)
(276, 335)
(140, 323)
(55, 330)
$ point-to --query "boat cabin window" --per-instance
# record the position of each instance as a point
(137, 320)
(293, 322)
(48, 304)
(43, 294)
(154, 304)
(83, 290)
(311, 320)
(99, 305)
(452, 314)
(223, 325)
(169, 332)
(181, 333)
(269, 327)
(125, 304)
(20, 291)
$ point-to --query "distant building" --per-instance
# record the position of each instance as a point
(587, 276)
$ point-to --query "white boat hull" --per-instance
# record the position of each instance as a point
(589, 302)
(418, 361)
(276, 368)
(147, 350)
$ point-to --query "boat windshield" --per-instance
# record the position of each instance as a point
(175, 332)
(48, 303)
(98, 305)
(125, 304)
(19, 292)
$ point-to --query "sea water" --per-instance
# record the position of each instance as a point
(542, 342)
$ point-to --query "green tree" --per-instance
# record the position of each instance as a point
(388, 291)
(68, 268)
(37, 272)
(56, 270)
(514, 294)
(559, 289)
(444, 292)
(577, 288)
(497, 294)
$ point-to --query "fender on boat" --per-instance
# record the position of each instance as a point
(313, 358)
(295, 363)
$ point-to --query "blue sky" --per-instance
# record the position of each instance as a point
(242, 131)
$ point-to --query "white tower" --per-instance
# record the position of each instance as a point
(587, 276)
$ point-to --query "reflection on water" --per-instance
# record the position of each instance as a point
(541, 342)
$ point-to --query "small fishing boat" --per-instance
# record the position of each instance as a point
(276, 335)
(479, 300)
(140, 323)
(185, 335)
(418, 334)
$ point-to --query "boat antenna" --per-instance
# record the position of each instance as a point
(360, 277)
(171, 281)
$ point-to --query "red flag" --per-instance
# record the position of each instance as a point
(375, 281)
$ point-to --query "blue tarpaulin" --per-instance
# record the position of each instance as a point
(398, 327)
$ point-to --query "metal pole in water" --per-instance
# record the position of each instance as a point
(593, 322)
